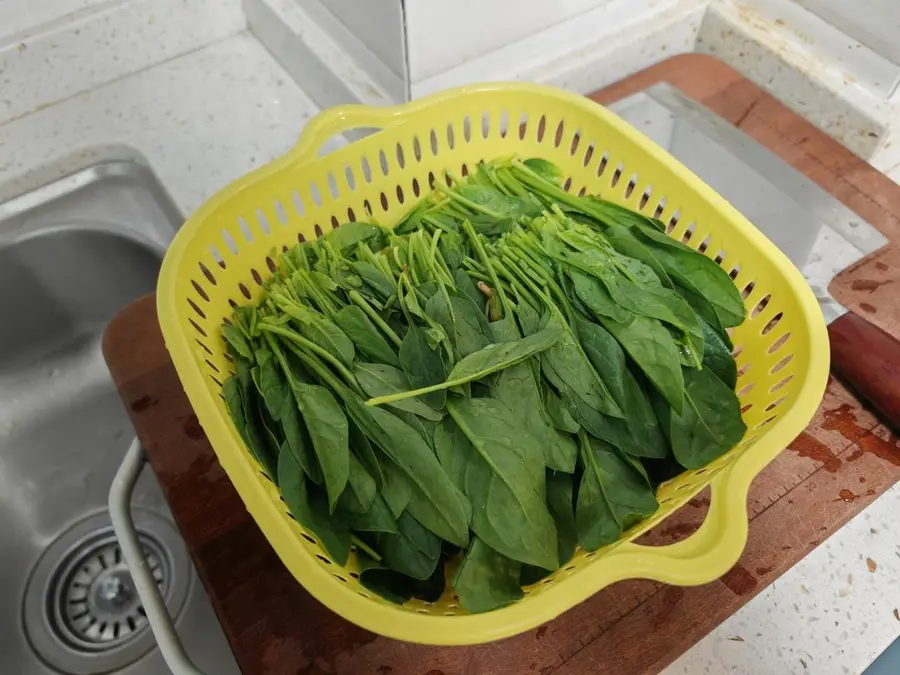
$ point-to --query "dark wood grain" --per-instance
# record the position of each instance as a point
(868, 359)
(275, 626)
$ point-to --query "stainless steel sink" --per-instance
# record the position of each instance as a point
(72, 254)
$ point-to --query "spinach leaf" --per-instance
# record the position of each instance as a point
(397, 489)
(624, 242)
(319, 330)
(558, 412)
(453, 450)
(545, 169)
(717, 357)
(238, 342)
(517, 388)
(242, 407)
(413, 219)
(605, 355)
(480, 364)
(361, 490)
(233, 393)
(466, 285)
(710, 423)
(704, 309)
(267, 437)
(425, 428)
(530, 319)
(433, 498)
(269, 382)
(697, 273)
(490, 226)
(471, 329)
(505, 482)
(377, 518)
(357, 326)
(497, 356)
(497, 206)
(396, 587)
(350, 234)
(562, 507)
(374, 278)
(297, 440)
(646, 340)
(613, 430)
(612, 498)
(505, 330)
(362, 448)
(310, 508)
(413, 550)
(486, 579)
(646, 438)
(385, 582)
(597, 527)
(380, 380)
(437, 307)
(454, 251)
(651, 347)
(423, 365)
(597, 299)
(566, 367)
(663, 304)
(330, 435)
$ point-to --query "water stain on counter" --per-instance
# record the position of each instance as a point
(192, 428)
(843, 420)
(143, 403)
(808, 447)
(739, 581)
(679, 530)
(847, 496)
(868, 285)
(699, 502)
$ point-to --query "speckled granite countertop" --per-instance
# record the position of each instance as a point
(200, 121)
(206, 117)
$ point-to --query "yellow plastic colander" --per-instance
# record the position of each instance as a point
(222, 254)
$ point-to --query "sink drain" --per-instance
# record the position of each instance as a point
(93, 603)
(81, 610)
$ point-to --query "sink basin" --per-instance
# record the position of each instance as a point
(72, 254)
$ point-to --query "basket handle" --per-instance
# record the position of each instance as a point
(335, 121)
(704, 556)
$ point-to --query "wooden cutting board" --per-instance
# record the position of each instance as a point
(834, 469)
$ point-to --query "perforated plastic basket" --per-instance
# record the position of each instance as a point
(221, 256)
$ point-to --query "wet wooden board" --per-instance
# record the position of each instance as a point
(833, 470)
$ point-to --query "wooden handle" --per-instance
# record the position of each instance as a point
(868, 359)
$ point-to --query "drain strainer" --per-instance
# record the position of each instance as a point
(82, 612)
(93, 603)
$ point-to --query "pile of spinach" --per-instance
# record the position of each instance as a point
(506, 375)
